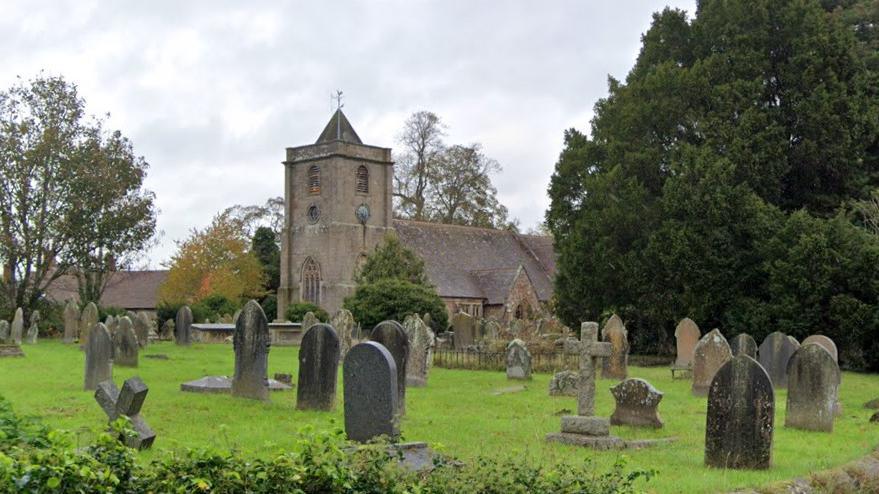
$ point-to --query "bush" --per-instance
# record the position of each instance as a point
(103, 312)
(395, 299)
(213, 307)
(167, 310)
(295, 312)
(269, 305)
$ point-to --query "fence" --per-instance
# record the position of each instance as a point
(475, 360)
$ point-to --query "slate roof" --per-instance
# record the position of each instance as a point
(468, 262)
(132, 290)
(339, 129)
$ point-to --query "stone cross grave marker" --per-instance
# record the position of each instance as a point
(743, 344)
(127, 403)
(183, 326)
(370, 388)
(318, 368)
(391, 335)
(71, 321)
(251, 342)
(98, 357)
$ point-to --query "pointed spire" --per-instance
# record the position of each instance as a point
(339, 129)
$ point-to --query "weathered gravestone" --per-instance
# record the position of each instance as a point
(87, 321)
(517, 327)
(421, 341)
(343, 322)
(465, 330)
(251, 342)
(636, 404)
(17, 329)
(564, 383)
(125, 342)
(518, 360)
(308, 320)
(614, 332)
(71, 322)
(4, 332)
(370, 392)
(235, 316)
(34, 330)
(687, 335)
(711, 353)
(743, 344)
(183, 326)
(741, 414)
(492, 329)
(142, 324)
(110, 324)
(318, 368)
(98, 357)
(168, 330)
(775, 351)
(825, 342)
(812, 388)
(127, 403)
(390, 335)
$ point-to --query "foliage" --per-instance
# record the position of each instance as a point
(295, 312)
(269, 305)
(392, 260)
(253, 217)
(265, 248)
(103, 312)
(216, 260)
(167, 310)
(395, 299)
(213, 307)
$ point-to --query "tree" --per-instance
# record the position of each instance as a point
(252, 217)
(71, 197)
(392, 260)
(266, 250)
(214, 261)
(422, 142)
(395, 299)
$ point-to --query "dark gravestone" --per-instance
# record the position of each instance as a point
(392, 336)
(127, 403)
(812, 387)
(370, 389)
(183, 326)
(741, 414)
(125, 343)
(251, 341)
(98, 357)
(637, 402)
(318, 368)
(775, 351)
(743, 344)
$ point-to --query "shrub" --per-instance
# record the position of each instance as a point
(295, 312)
(103, 312)
(213, 307)
(270, 306)
(395, 299)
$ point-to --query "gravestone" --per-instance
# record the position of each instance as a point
(222, 384)
(34, 330)
(4, 332)
(812, 389)
(98, 357)
(343, 322)
(636, 404)
(775, 351)
(710, 354)
(251, 342)
(183, 326)
(421, 341)
(741, 414)
(825, 342)
(465, 330)
(743, 344)
(110, 324)
(142, 324)
(126, 346)
(318, 368)
(168, 330)
(564, 383)
(128, 403)
(308, 320)
(390, 334)
(236, 316)
(614, 332)
(518, 360)
(71, 322)
(687, 335)
(517, 327)
(370, 393)
(492, 329)
(87, 321)
(17, 328)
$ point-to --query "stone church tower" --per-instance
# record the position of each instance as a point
(338, 206)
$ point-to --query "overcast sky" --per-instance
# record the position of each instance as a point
(212, 92)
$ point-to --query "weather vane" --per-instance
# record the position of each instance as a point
(338, 98)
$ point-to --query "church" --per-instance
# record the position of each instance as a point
(339, 206)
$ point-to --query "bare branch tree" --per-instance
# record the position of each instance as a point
(422, 142)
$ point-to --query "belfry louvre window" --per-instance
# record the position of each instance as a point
(362, 180)
(310, 288)
(314, 180)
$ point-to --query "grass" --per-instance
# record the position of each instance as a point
(457, 413)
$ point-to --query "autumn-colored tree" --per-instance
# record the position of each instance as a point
(214, 261)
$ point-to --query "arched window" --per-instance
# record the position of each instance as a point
(362, 180)
(314, 180)
(310, 290)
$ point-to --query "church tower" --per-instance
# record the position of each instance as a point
(337, 208)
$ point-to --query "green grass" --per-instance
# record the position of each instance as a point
(457, 413)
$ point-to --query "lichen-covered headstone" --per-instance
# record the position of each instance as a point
(637, 402)
(98, 357)
(743, 344)
(812, 389)
(183, 326)
(614, 332)
(128, 403)
(741, 415)
(687, 335)
(34, 330)
(465, 330)
(518, 360)
(492, 329)
(110, 324)
(142, 324)
(775, 351)
(710, 354)
(564, 383)
(235, 316)
(343, 322)
(17, 329)
(308, 320)
(370, 393)
(87, 320)
(390, 334)
(421, 341)
(251, 342)
(318, 368)
(71, 322)
(126, 343)
(825, 342)
(168, 330)
(4, 332)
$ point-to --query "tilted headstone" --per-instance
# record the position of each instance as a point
(825, 342)
(465, 330)
(127, 403)
(15, 333)
(168, 330)
(775, 351)
(142, 324)
(4, 332)
(318, 368)
(71, 322)
(741, 415)
(710, 354)
(743, 344)
(251, 342)
(343, 322)
(183, 326)
(110, 324)
(391, 335)
(34, 330)
(687, 335)
(637, 402)
(87, 321)
(308, 320)
(126, 344)
(421, 341)
(564, 383)
(614, 332)
(812, 389)
(370, 393)
(518, 360)
(98, 357)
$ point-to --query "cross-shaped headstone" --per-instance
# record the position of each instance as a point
(127, 403)
(590, 351)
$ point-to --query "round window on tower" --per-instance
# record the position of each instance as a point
(313, 213)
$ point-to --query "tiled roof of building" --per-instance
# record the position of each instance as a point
(133, 290)
(339, 129)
